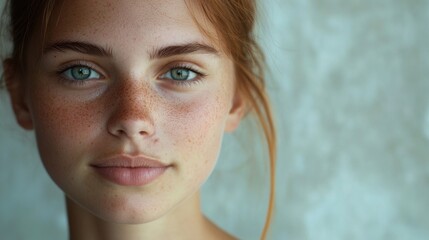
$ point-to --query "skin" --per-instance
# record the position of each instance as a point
(132, 108)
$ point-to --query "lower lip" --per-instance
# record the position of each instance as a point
(127, 176)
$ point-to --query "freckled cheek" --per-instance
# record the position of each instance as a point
(63, 129)
(196, 130)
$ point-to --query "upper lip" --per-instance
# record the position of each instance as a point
(127, 161)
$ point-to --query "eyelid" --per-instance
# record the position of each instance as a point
(60, 74)
(182, 84)
(185, 65)
(88, 64)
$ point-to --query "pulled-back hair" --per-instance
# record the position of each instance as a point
(233, 21)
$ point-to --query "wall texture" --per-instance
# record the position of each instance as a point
(350, 88)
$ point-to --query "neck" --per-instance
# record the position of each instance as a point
(184, 222)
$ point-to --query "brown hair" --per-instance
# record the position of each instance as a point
(25, 18)
(233, 21)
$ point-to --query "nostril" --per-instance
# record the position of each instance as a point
(142, 133)
(131, 128)
(121, 132)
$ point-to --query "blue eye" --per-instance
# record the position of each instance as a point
(80, 73)
(180, 74)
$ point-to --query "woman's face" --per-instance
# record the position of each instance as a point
(119, 80)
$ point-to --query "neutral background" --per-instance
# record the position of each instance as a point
(349, 80)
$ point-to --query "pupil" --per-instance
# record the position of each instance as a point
(81, 72)
(180, 74)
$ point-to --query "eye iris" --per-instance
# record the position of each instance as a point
(179, 74)
(81, 73)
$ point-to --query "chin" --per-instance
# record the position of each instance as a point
(121, 212)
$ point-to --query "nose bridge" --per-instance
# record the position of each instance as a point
(135, 97)
(131, 109)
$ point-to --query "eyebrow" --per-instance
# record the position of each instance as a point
(187, 48)
(163, 52)
(82, 47)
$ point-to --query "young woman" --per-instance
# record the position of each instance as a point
(129, 101)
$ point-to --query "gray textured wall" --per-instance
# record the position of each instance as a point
(349, 82)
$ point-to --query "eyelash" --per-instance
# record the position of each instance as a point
(63, 69)
(184, 83)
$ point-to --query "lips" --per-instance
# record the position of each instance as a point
(129, 170)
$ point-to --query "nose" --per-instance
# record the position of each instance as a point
(131, 112)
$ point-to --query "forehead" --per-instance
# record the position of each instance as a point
(148, 23)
